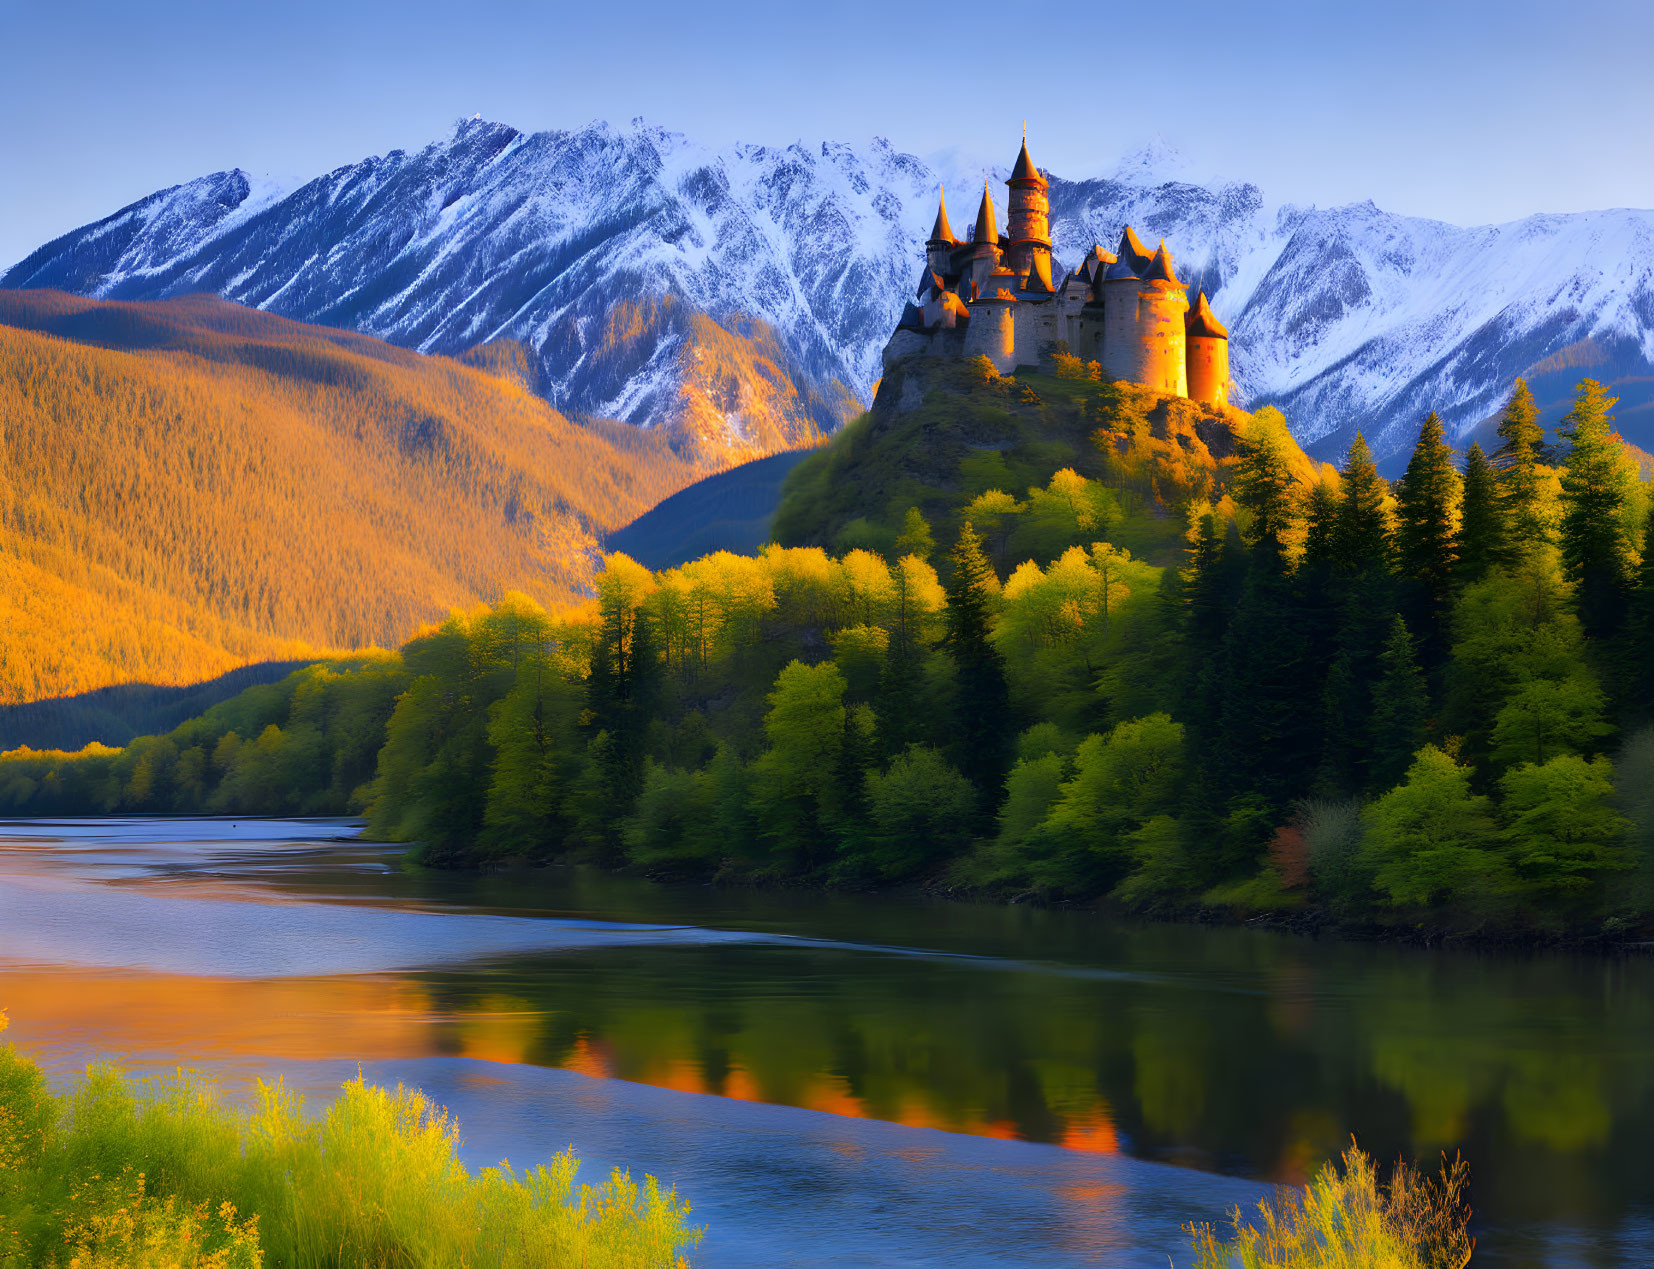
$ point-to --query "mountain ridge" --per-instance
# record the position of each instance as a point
(1343, 317)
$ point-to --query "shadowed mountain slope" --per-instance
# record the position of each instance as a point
(729, 511)
(190, 485)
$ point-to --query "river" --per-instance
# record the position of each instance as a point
(845, 1080)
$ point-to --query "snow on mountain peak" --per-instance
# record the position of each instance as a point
(1349, 316)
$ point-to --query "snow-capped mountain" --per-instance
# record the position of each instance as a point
(743, 295)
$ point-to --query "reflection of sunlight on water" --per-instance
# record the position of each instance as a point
(1094, 1133)
(501, 1029)
(680, 1075)
(587, 1058)
(371, 1018)
(1093, 1223)
(832, 1094)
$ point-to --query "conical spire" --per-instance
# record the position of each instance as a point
(942, 232)
(1203, 323)
(1160, 268)
(1132, 252)
(1038, 281)
(987, 227)
(1025, 169)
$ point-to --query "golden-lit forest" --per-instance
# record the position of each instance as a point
(189, 485)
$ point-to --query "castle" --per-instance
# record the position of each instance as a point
(993, 295)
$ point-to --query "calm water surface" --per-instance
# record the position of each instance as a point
(836, 1080)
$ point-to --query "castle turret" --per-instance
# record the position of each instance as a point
(1143, 317)
(992, 330)
(941, 242)
(985, 254)
(1207, 340)
(1163, 306)
(1029, 226)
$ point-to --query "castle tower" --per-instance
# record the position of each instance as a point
(1029, 226)
(1208, 344)
(941, 242)
(1162, 312)
(992, 330)
(1118, 288)
(985, 254)
(1143, 319)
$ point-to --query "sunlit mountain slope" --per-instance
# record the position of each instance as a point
(189, 485)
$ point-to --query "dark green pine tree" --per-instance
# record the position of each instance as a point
(1366, 617)
(1520, 454)
(1362, 557)
(1263, 485)
(1484, 537)
(982, 729)
(1401, 707)
(1268, 735)
(1320, 524)
(900, 703)
(1316, 583)
(1595, 484)
(622, 697)
(1637, 692)
(1361, 540)
(1426, 537)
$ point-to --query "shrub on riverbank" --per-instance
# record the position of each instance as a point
(1350, 1220)
(162, 1174)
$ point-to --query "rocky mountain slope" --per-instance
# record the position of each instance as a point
(739, 297)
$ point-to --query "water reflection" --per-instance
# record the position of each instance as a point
(1224, 1050)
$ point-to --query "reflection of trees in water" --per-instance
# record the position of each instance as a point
(1530, 1066)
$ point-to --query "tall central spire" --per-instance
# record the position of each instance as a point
(987, 225)
(1025, 169)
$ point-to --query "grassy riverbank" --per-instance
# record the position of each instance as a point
(162, 1174)
(117, 1172)
(1350, 1218)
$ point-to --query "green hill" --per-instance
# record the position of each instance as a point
(942, 433)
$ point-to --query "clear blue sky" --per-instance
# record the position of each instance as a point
(1470, 112)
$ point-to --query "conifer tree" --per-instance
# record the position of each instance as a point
(1595, 485)
(1400, 709)
(1361, 539)
(916, 538)
(1484, 537)
(1638, 676)
(982, 711)
(622, 694)
(1427, 500)
(1263, 485)
(1520, 454)
(1314, 581)
(1267, 716)
(1427, 504)
(1320, 524)
(1366, 619)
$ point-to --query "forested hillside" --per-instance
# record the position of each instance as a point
(1064, 639)
(187, 486)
